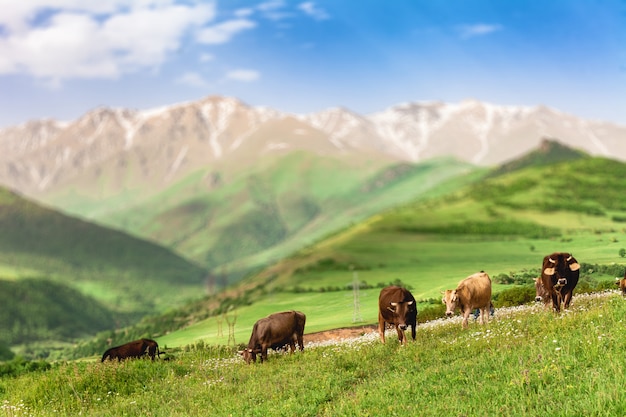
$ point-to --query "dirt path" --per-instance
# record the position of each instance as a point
(339, 334)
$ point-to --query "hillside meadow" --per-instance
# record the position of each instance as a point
(501, 225)
(526, 361)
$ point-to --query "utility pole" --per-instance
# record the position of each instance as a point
(231, 320)
(356, 315)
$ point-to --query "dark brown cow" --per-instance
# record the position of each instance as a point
(275, 331)
(134, 349)
(396, 306)
(472, 292)
(559, 275)
(621, 283)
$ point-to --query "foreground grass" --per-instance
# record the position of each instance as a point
(526, 362)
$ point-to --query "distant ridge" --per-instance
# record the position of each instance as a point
(550, 151)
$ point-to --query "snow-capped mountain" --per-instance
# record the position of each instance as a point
(165, 144)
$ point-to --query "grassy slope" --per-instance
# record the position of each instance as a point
(126, 275)
(521, 363)
(501, 225)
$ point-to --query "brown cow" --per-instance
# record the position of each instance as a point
(397, 306)
(275, 331)
(621, 283)
(134, 349)
(472, 292)
(559, 275)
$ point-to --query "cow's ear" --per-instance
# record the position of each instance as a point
(574, 266)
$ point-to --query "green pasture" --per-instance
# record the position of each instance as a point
(523, 363)
(427, 264)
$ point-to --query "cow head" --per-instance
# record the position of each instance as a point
(402, 310)
(451, 300)
(559, 268)
(249, 355)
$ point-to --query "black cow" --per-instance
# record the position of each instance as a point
(275, 331)
(396, 306)
(559, 275)
(134, 349)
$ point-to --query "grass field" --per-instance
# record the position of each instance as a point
(526, 361)
(427, 265)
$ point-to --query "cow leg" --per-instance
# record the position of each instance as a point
(381, 328)
(568, 299)
(466, 314)
(484, 315)
(292, 347)
(556, 302)
(263, 353)
(413, 329)
(300, 342)
(401, 335)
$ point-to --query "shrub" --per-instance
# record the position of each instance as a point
(515, 296)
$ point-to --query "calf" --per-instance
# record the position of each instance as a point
(274, 331)
(472, 292)
(134, 349)
(396, 306)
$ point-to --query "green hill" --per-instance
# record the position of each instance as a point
(236, 222)
(39, 310)
(120, 278)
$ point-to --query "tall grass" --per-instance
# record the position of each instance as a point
(526, 361)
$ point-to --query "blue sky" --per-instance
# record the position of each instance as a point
(62, 58)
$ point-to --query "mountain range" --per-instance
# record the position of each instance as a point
(167, 143)
(219, 181)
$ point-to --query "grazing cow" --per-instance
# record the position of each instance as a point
(397, 306)
(621, 283)
(559, 276)
(472, 292)
(134, 349)
(275, 331)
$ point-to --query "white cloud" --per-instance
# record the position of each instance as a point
(312, 10)
(480, 29)
(192, 79)
(271, 5)
(223, 32)
(54, 40)
(243, 13)
(243, 75)
(205, 57)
